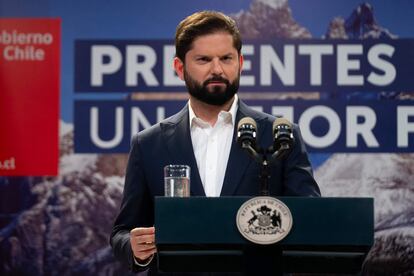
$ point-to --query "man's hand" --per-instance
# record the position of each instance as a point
(143, 242)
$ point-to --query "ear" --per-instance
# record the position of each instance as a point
(179, 67)
(241, 59)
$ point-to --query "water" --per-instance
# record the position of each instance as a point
(177, 186)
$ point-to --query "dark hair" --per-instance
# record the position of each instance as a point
(203, 23)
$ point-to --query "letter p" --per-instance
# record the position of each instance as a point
(99, 67)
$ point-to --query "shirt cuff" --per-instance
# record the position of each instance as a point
(139, 263)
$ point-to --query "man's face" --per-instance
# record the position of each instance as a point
(212, 68)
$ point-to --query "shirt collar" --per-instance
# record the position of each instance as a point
(232, 112)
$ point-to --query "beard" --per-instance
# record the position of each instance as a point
(217, 95)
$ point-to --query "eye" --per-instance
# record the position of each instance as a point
(203, 59)
(227, 58)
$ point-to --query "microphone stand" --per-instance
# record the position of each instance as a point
(261, 157)
(281, 152)
(264, 177)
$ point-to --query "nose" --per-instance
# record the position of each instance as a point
(216, 67)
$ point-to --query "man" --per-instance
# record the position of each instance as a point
(202, 135)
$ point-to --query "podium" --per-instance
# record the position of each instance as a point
(199, 234)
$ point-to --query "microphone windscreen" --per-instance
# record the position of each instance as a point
(247, 120)
(281, 121)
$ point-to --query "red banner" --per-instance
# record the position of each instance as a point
(29, 96)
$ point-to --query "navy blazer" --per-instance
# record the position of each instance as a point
(169, 142)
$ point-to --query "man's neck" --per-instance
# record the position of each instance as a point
(207, 112)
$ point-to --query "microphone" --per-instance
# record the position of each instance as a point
(282, 135)
(246, 132)
(246, 136)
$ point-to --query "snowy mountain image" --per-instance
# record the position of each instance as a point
(360, 24)
(389, 179)
(272, 19)
(66, 229)
(269, 18)
(61, 225)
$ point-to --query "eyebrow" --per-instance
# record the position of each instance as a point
(205, 55)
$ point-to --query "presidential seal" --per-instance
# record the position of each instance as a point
(264, 220)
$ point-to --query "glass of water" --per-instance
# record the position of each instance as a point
(177, 180)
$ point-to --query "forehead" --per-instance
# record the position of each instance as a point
(215, 43)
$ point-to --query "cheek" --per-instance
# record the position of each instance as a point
(199, 72)
(232, 72)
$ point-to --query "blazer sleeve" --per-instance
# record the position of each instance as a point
(299, 180)
(136, 207)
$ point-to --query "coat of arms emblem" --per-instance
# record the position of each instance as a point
(264, 220)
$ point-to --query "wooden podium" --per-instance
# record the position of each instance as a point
(199, 234)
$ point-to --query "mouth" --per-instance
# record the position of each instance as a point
(216, 83)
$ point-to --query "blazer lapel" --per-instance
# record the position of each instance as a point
(176, 131)
(238, 159)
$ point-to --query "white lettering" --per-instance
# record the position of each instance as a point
(364, 129)
(140, 61)
(404, 127)
(247, 66)
(138, 118)
(345, 64)
(170, 77)
(334, 126)
(388, 68)
(119, 129)
(8, 164)
(283, 111)
(270, 60)
(15, 37)
(316, 52)
(144, 68)
(359, 123)
(99, 68)
(160, 113)
(11, 53)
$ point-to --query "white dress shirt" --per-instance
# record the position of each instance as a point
(212, 147)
